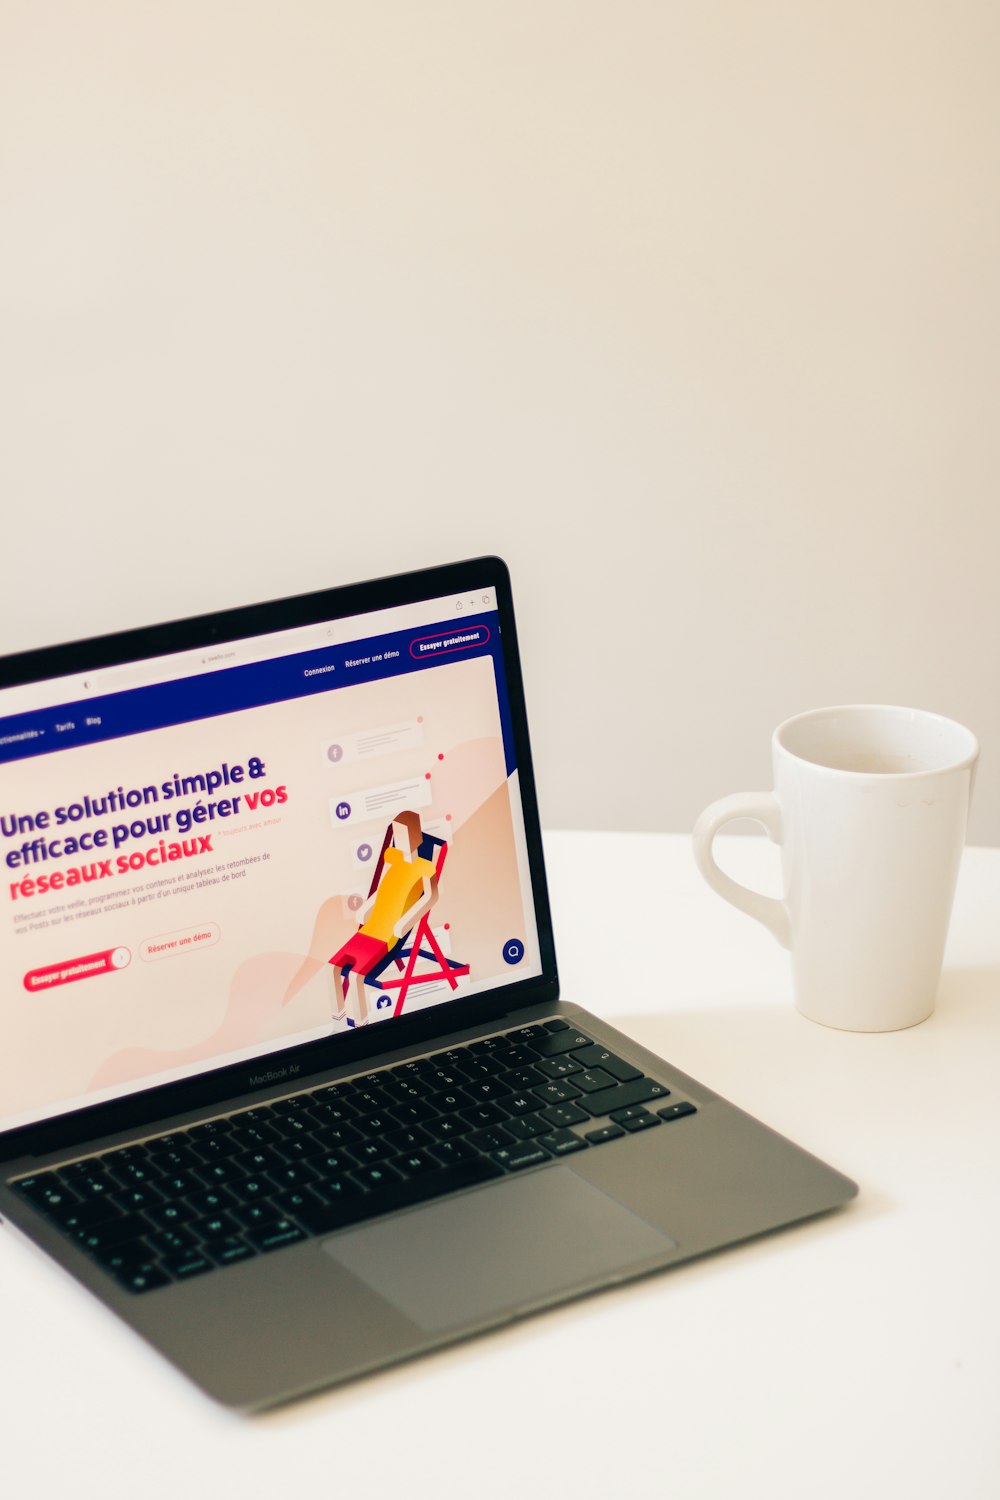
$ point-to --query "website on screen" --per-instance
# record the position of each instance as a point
(212, 856)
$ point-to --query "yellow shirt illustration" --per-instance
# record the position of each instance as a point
(400, 887)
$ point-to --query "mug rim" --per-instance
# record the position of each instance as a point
(925, 715)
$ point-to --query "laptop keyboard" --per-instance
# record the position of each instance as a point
(192, 1201)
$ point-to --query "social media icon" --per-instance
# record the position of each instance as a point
(364, 851)
(335, 753)
(343, 810)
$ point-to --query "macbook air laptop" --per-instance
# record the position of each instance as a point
(287, 1080)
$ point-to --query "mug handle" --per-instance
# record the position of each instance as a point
(764, 808)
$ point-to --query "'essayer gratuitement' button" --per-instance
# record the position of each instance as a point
(72, 969)
(446, 641)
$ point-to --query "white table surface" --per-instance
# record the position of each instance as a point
(855, 1355)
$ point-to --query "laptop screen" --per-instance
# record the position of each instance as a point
(213, 855)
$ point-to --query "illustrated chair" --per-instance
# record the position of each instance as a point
(415, 950)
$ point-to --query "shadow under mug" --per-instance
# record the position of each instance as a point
(870, 806)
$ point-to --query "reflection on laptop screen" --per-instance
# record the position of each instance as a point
(216, 854)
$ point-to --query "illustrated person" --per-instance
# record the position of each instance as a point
(407, 888)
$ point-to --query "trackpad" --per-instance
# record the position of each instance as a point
(462, 1259)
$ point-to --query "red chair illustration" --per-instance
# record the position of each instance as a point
(395, 928)
(421, 944)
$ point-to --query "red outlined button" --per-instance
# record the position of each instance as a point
(72, 969)
(183, 941)
(447, 641)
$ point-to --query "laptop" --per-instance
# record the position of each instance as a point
(287, 1080)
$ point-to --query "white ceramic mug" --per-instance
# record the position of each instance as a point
(869, 806)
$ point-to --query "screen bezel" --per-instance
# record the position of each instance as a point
(302, 1061)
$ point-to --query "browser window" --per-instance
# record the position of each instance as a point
(213, 855)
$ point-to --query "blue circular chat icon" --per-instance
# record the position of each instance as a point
(343, 810)
(513, 951)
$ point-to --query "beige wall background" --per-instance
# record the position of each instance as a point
(689, 310)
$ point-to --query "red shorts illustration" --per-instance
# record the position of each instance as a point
(360, 953)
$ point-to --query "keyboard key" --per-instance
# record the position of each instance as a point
(638, 1091)
(372, 1101)
(184, 1267)
(484, 1067)
(485, 1114)
(448, 1127)
(486, 1088)
(288, 1108)
(331, 1163)
(599, 1057)
(551, 1044)
(207, 1130)
(177, 1158)
(143, 1278)
(604, 1133)
(449, 1100)
(335, 1136)
(556, 1093)
(525, 1154)
(169, 1241)
(519, 1079)
(520, 1104)
(561, 1115)
(329, 1112)
(334, 1190)
(274, 1234)
(448, 1078)
(557, 1025)
(562, 1142)
(127, 1257)
(451, 1152)
(216, 1227)
(377, 1149)
(135, 1173)
(178, 1184)
(114, 1232)
(639, 1121)
(252, 1215)
(226, 1252)
(490, 1139)
(377, 1124)
(290, 1205)
(249, 1138)
(677, 1111)
(48, 1192)
(172, 1215)
(132, 1200)
(212, 1200)
(559, 1067)
(415, 1164)
(374, 1177)
(402, 1194)
(294, 1173)
(414, 1113)
(593, 1079)
(486, 1044)
(77, 1216)
(218, 1173)
(298, 1150)
(409, 1138)
(526, 1127)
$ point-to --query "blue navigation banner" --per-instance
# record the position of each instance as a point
(209, 695)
